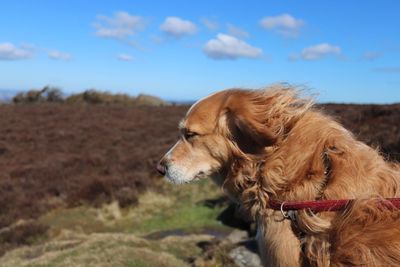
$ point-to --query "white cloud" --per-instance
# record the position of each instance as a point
(319, 51)
(372, 55)
(237, 32)
(388, 69)
(316, 52)
(10, 52)
(119, 26)
(57, 55)
(210, 24)
(294, 57)
(177, 27)
(124, 57)
(284, 24)
(230, 47)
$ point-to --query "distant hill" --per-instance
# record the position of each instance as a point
(92, 96)
(182, 102)
(6, 95)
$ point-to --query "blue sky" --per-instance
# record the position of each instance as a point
(344, 51)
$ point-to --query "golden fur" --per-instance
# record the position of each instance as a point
(271, 144)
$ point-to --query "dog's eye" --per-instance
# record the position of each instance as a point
(190, 135)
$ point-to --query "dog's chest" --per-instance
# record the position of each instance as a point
(277, 243)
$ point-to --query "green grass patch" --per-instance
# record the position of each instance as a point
(176, 207)
(136, 263)
(187, 217)
(111, 236)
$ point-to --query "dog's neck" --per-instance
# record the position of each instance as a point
(296, 167)
(317, 158)
(283, 169)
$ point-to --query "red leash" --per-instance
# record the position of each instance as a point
(326, 205)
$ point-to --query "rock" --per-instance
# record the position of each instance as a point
(243, 257)
(236, 236)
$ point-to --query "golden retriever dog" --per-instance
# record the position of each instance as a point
(263, 145)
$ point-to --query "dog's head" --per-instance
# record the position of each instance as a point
(225, 126)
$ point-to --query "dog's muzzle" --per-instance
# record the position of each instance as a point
(162, 167)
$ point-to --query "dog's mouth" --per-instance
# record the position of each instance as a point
(200, 175)
(180, 180)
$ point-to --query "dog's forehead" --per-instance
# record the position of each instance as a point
(204, 113)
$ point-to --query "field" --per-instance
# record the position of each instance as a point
(78, 185)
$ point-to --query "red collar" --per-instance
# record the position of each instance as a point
(326, 205)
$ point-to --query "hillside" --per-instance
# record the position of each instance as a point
(75, 176)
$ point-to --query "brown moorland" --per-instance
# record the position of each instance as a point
(59, 154)
(63, 155)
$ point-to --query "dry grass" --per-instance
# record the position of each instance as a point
(101, 250)
(111, 236)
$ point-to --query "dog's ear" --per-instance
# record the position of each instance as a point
(247, 126)
(249, 134)
(256, 119)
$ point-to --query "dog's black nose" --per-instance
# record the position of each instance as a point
(161, 168)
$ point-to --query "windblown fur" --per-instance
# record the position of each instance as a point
(271, 144)
(293, 169)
